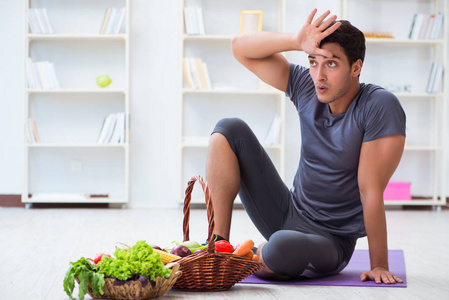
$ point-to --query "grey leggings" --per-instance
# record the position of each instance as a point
(295, 248)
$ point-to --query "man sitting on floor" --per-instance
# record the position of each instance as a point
(353, 136)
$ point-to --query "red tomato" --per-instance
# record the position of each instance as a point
(99, 257)
(224, 246)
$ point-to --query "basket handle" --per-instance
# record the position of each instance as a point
(210, 211)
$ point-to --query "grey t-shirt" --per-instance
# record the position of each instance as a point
(325, 187)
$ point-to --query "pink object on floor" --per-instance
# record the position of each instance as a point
(398, 190)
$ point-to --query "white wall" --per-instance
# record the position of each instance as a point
(155, 79)
(155, 83)
(11, 84)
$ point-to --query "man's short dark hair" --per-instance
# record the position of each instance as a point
(351, 39)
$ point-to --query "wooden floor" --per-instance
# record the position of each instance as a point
(36, 246)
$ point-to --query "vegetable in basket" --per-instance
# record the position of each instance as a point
(191, 245)
(137, 260)
(244, 247)
(224, 246)
(86, 272)
(99, 257)
(181, 250)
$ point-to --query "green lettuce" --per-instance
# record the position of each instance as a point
(138, 259)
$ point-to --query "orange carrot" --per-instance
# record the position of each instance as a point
(250, 254)
(256, 258)
(244, 248)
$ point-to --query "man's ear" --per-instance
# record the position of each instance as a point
(357, 68)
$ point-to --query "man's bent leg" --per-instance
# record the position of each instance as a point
(297, 254)
(264, 195)
(266, 273)
(223, 177)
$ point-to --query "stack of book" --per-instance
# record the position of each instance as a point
(435, 79)
(113, 129)
(31, 132)
(39, 21)
(193, 20)
(196, 74)
(41, 75)
(113, 21)
(427, 26)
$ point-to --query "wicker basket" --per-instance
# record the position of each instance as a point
(210, 270)
(135, 290)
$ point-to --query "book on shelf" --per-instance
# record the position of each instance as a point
(105, 21)
(196, 73)
(194, 20)
(437, 28)
(113, 21)
(206, 75)
(187, 74)
(426, 26)
(118, 135)
(272, 136)
(31, 132)
(41, 75)
(107, 129)
(113, 129)
(38, 21)
(435, 79)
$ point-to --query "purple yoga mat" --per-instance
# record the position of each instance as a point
(350, 276)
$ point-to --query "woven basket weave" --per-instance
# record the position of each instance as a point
(210, 270)
(135, 290)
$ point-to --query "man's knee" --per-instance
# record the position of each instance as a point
(284, 253)
(229, 131)
(266, 273)
(230, 122)
(231, 126)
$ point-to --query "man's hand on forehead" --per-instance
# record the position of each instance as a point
(313, 32)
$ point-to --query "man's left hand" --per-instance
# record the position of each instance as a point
(379, 275)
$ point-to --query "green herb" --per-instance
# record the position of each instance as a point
(138, 259)
(87, 274)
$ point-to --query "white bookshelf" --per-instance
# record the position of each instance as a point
(93, 145)
(235, 91)
(423, 163)
(403, 41)
(207, 37)
(74, 91)
(68, 160)
(48, 37)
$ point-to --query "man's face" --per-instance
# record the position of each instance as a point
(332, 76)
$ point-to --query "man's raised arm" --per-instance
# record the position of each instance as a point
(260, 52)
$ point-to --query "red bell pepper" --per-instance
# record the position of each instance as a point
(224, 246)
